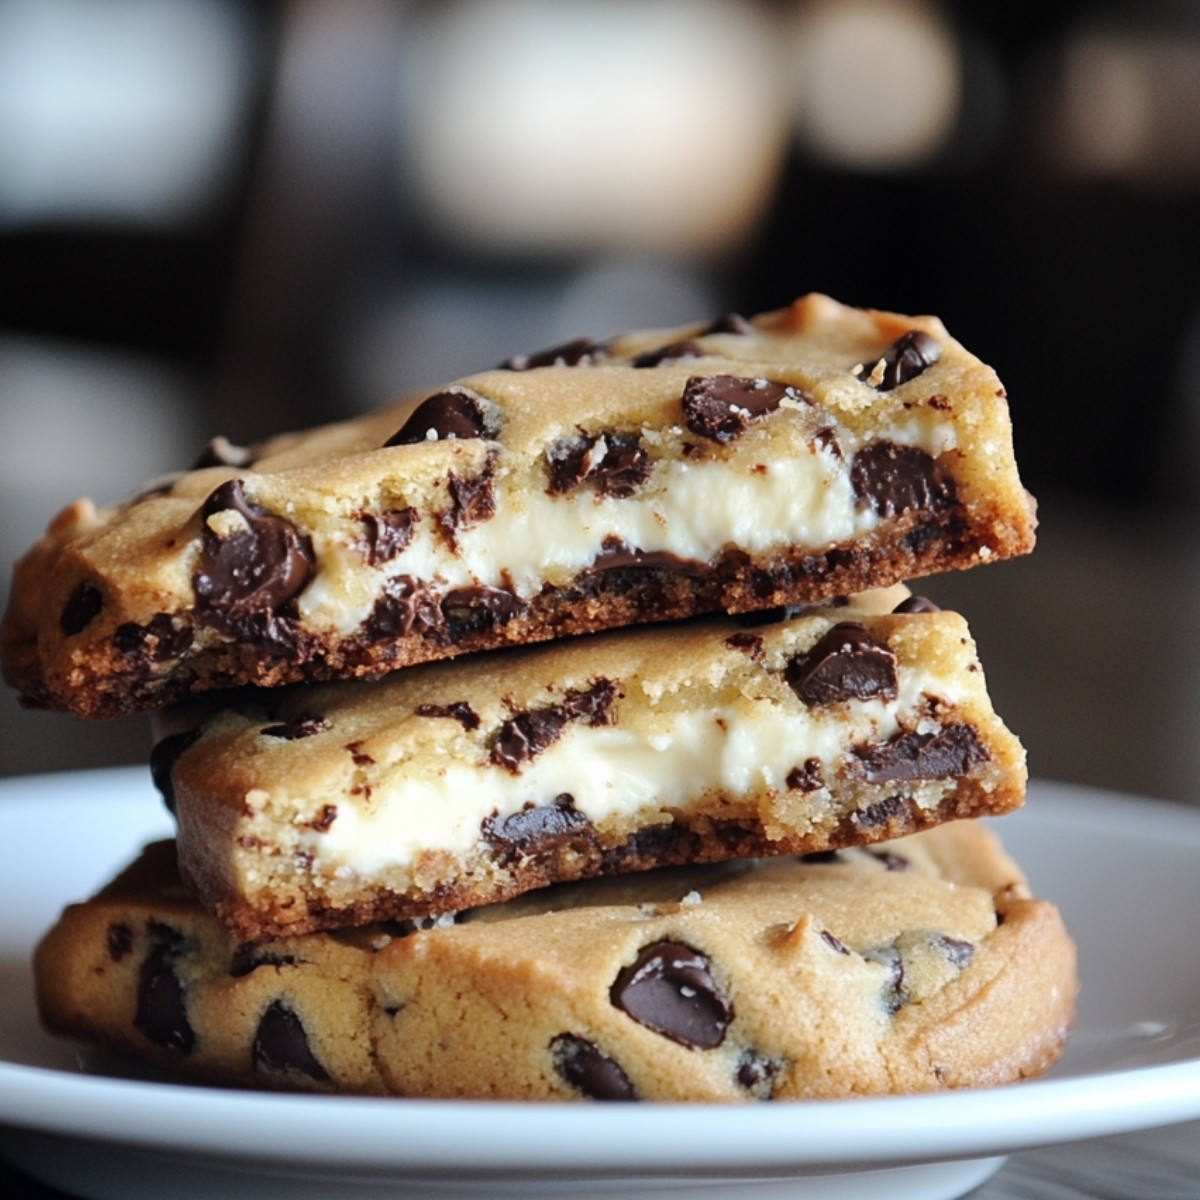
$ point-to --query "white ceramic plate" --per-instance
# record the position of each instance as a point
(1125, 871)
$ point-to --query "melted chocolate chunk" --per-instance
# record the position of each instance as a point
(281, 1044)
(895, 479)
(669, 988)
(893, 862)
(472, 501)
(806, 778)
(670, 353)
(821, 856)
(166, 753)
(615, 555)
(615, 464)
(525, 736)
(537, 829)
(888, 957)
(388, 533)
(958, 952)
(586, 1067)
(81, 609)
(879, 814)
(729, 322)
(477, 608)
(459, 710)
(221, 452)
(250, 958)
(905, 359)
(246, 578)
(577, 353)
(120, 941)
(908, 756)
(407, 606)
(457, 413)
(157, 641)
(721, 407)
(291, 731)
(161, 1013)
(916, 604)
(846, 664)
(757, 1073)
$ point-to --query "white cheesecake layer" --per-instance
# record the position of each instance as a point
(744, 748)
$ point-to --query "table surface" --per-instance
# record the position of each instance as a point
(1156, 1164)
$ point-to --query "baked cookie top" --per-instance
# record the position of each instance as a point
(800, 454)
(917, 965)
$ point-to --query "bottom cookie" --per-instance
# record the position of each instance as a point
(917, 965)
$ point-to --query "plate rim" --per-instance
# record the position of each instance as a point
(654, 1138)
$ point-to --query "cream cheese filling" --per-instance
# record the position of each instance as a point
(740, 748)
(756, 501)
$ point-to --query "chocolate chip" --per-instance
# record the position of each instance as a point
(729, 322)
(120, 941)
(669, 988)
(523, 737)
(893, 862)
(249, 958)
(757, 1073)
(457, 413)
(879, 814)
(834, 943)
(615, 555)
(771, 616)
(846, 664)
(958, 952)
(221, 452)
(576, 353)
(916, 604)
(166, 753)
(537, 829)
(301, 727)
(324, 819)
(895, 479)
(406, 606)
(156, 641)
(254, 571)
(888, 957)
(806, 778)
(908, 756)
(281, 1044)
(81, 609)
(615, 464)
(905, 359)
(161, 1013)
(472, 501)
(586, 1067)
(477, 608)
(388, 533)
(748, 643)
(721, 407)
(670, 353)
(459, 710)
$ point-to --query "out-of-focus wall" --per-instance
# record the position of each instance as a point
(227, 217)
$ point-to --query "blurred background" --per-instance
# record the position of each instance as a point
(226, 217)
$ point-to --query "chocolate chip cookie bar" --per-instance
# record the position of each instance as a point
(457, 784)
(737, 465)
(916, 965)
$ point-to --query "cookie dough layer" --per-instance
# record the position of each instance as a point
(917, 966)
(466, 783)
(810, 452)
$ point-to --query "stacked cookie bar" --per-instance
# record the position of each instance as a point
(449, 825)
